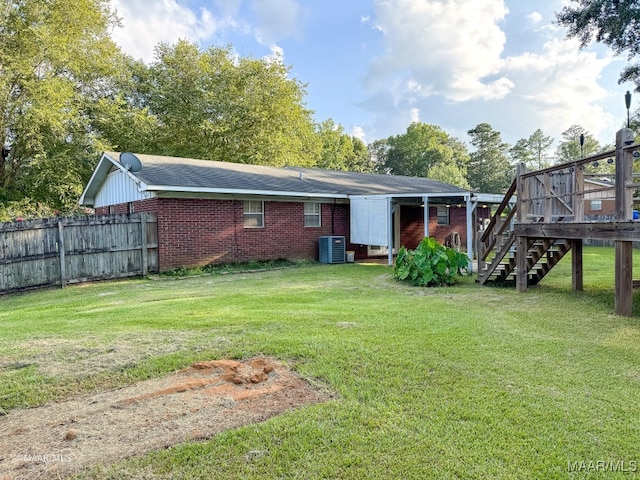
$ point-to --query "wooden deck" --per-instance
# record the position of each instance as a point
(628, 230)
(543, 217)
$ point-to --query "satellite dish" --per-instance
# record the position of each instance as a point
(129, 161)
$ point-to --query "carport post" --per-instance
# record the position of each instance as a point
(470, 208)
(390, 231)
(425, 201)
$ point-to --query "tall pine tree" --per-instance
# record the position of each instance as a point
(489, 170)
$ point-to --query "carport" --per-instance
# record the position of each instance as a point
(375, 218)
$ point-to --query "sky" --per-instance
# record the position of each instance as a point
(376, 66)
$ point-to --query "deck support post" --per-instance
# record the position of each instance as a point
(624, 278)
(522, 244)
(624, 205)
(577, 283)
(521, 263)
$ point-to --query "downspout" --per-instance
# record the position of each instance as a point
(333, 209)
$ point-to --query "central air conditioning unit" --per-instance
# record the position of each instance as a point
(332, 249)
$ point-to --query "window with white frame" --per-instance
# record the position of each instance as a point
(312, 215)
(253, 214)
(443, 214)
(596, 205)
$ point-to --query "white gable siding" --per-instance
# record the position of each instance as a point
(119, 188)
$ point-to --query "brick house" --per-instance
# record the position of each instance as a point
(221, 212)
(599, 198)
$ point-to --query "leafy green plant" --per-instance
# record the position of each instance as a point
(430, 264)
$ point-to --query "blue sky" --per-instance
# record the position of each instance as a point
(374, 66)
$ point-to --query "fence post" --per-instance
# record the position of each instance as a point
(63, 262)
(143, 241)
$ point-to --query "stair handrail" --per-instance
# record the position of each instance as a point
(493, 230)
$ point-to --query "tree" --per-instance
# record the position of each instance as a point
(616, 23)
(122, 120)
(423, 151)
(56, 58)
(489, 170)
(532, 151)
(341, 151)
(378, 154)
(539, 143)
(569, 148)
(213, 106)
(521, 153)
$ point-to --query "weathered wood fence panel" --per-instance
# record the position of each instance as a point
(57, 251)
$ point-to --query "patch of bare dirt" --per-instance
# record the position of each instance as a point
(60, 439)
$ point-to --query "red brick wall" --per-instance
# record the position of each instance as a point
(608, 207)
(200, 232)
(457, 223)
(412, 224)
(141, 206)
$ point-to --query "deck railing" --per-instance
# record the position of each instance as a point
(563, 194)
(497, 235)
(549, 206)
(559, 193)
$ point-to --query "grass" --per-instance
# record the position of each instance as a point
(455, 382)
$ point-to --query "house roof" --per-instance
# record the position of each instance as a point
(172, 174)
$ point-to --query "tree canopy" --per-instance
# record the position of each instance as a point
(56, 58)
(569, 148)
(489, 169)
(340, 151)
(67, 92)
(208, 104)
(533, 151)
(424, 151)
(615, 23)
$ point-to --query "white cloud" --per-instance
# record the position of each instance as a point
(359, 132)
(276, 19)
(148, 22)
(559, 86)
(535, 17)
(277, 54)
(449, 47)
(445, 62)
(414, 114)
(229, 7)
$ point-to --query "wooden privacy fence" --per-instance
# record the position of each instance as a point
(57, 251)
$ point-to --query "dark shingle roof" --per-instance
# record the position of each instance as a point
(163, 173)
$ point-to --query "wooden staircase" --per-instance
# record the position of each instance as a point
(497, 255)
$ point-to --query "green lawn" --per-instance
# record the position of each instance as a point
(458, 382)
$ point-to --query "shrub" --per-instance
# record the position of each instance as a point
(430, 264)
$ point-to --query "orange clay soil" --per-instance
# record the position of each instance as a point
(60, 439)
